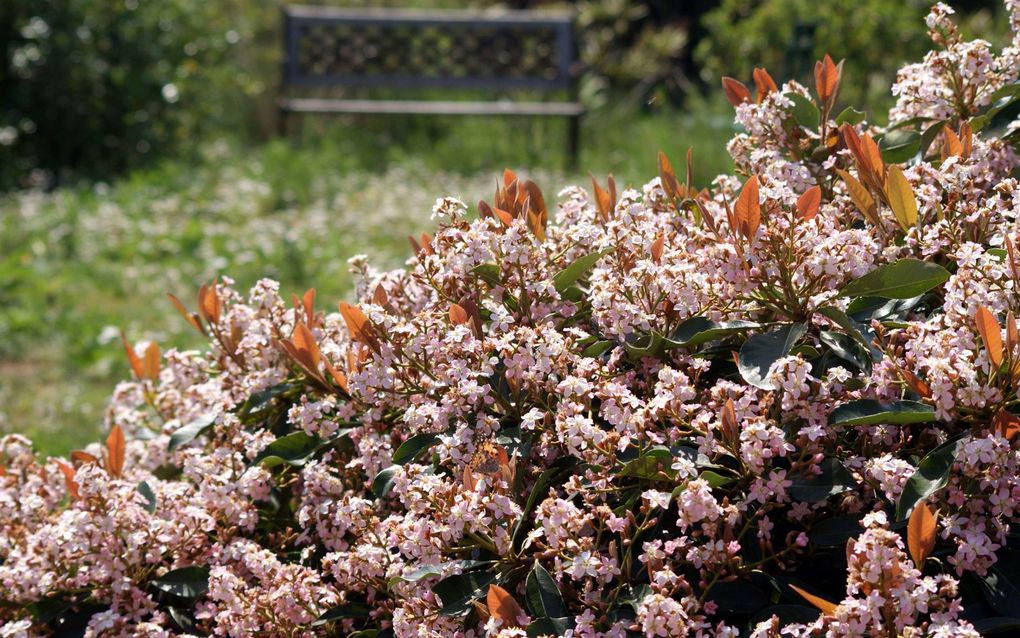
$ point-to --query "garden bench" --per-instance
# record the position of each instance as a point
(494, 53)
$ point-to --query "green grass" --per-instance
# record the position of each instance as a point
(81, 263)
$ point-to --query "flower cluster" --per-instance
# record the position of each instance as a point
(779, 405)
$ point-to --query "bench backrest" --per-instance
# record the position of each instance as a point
(450, 49)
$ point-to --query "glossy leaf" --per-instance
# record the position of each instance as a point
(189, 583)
(566, 277)
(293, 449)
(760, 351)
(921, 530)
(834, 479)
(932, 474)
(825, 606)
(459, 591)
(991, 334)
(901, 198)
(902, 279)
(413, 447)
(872, 412)
(544, 599)
(187, 433)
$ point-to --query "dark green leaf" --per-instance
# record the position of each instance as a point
(569, 275)
(429, 571)
(544, 599)
(650, 465)
(550, 626)
(187, 433)
(189, 583)
(598, 347)
(760, 351)
(644, 346)
(714, 479)
(853, 329)
(350, 610)
(804, 110)
(996, 625)
(902, 279)
(489, 273)
(1001, 585)
(931, 475)
(294, 449)
(412, 447)
(847, 349)
(835, 532)
(458, 591)
(787, 614)
(738, 596)
(899, 146)
(834, 479)
(150, 497)
(850, 115)
(383, 481)
(872, 412)
(698, 330)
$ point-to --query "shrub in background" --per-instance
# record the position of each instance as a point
(875, 37)
(91, 87)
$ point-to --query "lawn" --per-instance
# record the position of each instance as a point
(79, 264)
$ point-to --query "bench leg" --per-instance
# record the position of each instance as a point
(573, 142)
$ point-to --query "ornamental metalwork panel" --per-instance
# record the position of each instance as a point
(422, 50)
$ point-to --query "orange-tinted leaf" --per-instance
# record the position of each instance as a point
(133, 360)
(921, 533)
(339, 377)
(747, 209)
(82, 456)
(917, 384)
(458, 315)
(822, 604)
(504, 217)
(873, 154)
(307, 349)
(209, 303)
(69, 480)
(735, 91)
(115, 447)
(603, 202)
(509, 177)
(808, 203)
(966, 138)
(901, 198)
(991, 334)
(503, 607)
(426, 243)
(150, 365)
(657, 247)
(192, 318)
(826, 78)
(860, 195)
(763, 83)
(728, 422)
(357, 325)
(308, 301)
(415, 246)
(379, 297)
(951, 145)
(667, 177)
(1006, 424)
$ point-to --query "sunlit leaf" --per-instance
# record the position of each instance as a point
(921, 529)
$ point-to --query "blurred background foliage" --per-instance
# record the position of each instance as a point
(91, 88)
(138, 156)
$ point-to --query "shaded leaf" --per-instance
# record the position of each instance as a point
(189, 583)
(932, 474)
(187, 433)
(834, 479)
(760, 351)
(457, 592)
(544, 599)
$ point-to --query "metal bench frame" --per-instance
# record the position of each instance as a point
(340, 71)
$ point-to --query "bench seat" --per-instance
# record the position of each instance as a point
(430, 107)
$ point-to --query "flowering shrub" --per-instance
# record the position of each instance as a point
(778, 406)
